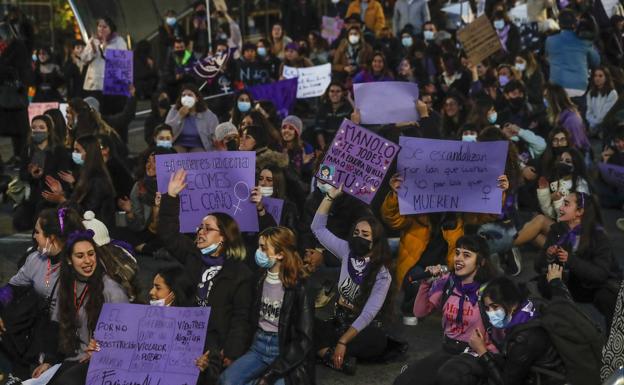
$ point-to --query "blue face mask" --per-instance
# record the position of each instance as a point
(407, 41)
(164, 143)
(263, 260)
(492, 117)
(498, 318)
(243, 106)
(77, 158)
(210, 249)
(171, 21)
(469, 138)
(262, 51)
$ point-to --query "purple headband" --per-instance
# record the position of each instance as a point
(582, 199)
(79, 235)
(61, 218)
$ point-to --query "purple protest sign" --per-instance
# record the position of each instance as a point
(141, 344)
(449, 175)
(612, 174)
(358, 159)
(118, 72)
(218, 181)
(283, 95)
(274, 206)
(386, 102)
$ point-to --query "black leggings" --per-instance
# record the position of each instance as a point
(452, 369)
(368, 344)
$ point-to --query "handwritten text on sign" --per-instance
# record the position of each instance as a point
(218, 181)
(143, 344)
(118, 72)
(311, 81)
(449, 175)
(612, 174)
(358, 159)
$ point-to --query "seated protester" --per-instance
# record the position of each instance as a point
(84, 286)
(600, 98)
(283, 313)
(172, 287)
(178, 69)
(292, 58)
(482, 114)
(116, 256)
(453, 115)
(406, 71)
(256, 117)
(562, 112)
(215, 263)
(227, 137)
(40, 273)
(355, 331)
(43, 156)
(376, 70)
(319, 48)
(333, 109)
(265, 56)
(272, 184)
(612, 196)
(249, 70)
(558, 142)
(351, 55)
(60, 126)
(456, 294)
(243, 101)
(530, 146)
(161, 104)
(508, 33)
(516, 106)
(118, 170)
(300, 154)
(454, 78)
(163, 137)
(526, 343)
(192, 122)
(579, 243)
(532, 77)
(93, 189)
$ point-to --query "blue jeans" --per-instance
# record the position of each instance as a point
(248, 368)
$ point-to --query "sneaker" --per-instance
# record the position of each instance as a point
(513, 262)
(620, 224)
(410, 320)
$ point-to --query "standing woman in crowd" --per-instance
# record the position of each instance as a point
(600, 98)
(83, 288)
(300, 153)
(355, 332)
(333, 109)
(456, 294)
(562, 112)
(192, 122)
(48, 78)
(283, 348)
(532, 76)
(42, 157)
(93, 55)
(272, 183)
(278, 40)
(215, 263)
(352, 54)
(453, 116)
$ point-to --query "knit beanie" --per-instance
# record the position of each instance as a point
(101, 236)
(295, 122)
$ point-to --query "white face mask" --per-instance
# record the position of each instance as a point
(469, 138)
(157, 302)
(520, 66)
(188, 101)
(266, 191)
(428, 35)
(354, 39)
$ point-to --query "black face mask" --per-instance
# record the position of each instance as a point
(516, 103)
(232, 145)
(164, 104)
(564, 169)
(359, 246)
(179, 54)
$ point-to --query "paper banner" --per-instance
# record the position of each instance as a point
(386, 102)
(311, 81)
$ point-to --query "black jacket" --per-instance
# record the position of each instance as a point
(231, 296)
(295, 334)
(100, 199)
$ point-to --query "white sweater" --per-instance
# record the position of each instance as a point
(598, 106)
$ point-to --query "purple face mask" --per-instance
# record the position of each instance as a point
(503, 80)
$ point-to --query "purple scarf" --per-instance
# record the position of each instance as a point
(503, 34)
(358, 268)
(212, 261)
(526, 313)
(470, 290)
(569, 237)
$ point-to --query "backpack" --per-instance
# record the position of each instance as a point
(447, 291)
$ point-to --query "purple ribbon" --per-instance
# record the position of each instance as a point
(61, 218)
(570, 237)
(79, 235)
(469, 290)
(527, 312)
(124, 245)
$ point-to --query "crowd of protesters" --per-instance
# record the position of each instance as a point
(554, 92)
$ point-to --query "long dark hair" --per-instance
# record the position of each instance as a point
(503, 291)
(93, 167)
(550, 155)
(591, 220)
(200, 104)
(52, 138)
(60, 127)
(68, 313)
(580, 171)
(236, 115)
(60, 222)
(178, 282)
(478, 245)
(608, 86)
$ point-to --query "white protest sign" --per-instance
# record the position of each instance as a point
(311, 81)
(519, 15)
(462, 9)
(609, 6)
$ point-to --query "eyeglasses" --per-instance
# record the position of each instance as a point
(207, 229)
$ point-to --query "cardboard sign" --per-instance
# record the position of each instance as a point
(143, 344)
(357, 159)
(386, 102)
(274, 206)
(220, 5)
(311, 81)
(218, 181)
(35, 109)
(331, 27)
(479, 39)
(612, 174)
(450, 175)
(118, 72)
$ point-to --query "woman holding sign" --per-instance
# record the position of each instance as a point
(283, 349)
(355, 330)
(215, 263)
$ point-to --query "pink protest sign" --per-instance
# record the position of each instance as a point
(357, 159)
(331, 28)
(35, 109)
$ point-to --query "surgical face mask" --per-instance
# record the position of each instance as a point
(407, 41)
(469, 138)
(263, 260)
(266, 191)
(503, 80)
(164, 143)
(354, 39)
(492, 117)
(171, 21)
(77, 158)
(210, 249)
(262, 51)
(428, 35)
(188, 101)
(499, 24)
(498, 318)
(243, 106)
(515, 138)
(160, 302)
(34, 57)
(39, 136)
(323, 187)
(520, 66)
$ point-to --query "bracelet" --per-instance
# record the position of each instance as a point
(329, 197)
(341, 343)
